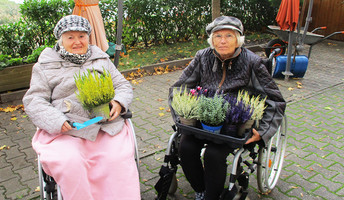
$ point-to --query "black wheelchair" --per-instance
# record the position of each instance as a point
(49, 190)
(266, 160)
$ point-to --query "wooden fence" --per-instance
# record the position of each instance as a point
(329, 13)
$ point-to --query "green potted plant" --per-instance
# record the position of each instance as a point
(95, 91)
(212, 111)
(185, 106)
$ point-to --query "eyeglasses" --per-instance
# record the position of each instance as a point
(227, 37)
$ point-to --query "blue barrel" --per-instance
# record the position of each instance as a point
(298, 68)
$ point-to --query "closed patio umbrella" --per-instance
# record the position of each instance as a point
(288, 14)
(89, 9)
(287, 18)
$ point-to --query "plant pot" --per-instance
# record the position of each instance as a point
(243, 127)
(102, 110)
(230, 130)
(213, 129)
(188, 122)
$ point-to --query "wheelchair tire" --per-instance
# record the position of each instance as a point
(271, 159)
(174, 185)
(274, 44)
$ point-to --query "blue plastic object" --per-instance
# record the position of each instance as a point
(213, 129)
(79, 126)
(298, 68)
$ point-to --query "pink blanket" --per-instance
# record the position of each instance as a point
(86, 170)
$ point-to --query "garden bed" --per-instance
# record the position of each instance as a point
(16, 77)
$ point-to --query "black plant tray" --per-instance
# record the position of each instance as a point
(202, 134)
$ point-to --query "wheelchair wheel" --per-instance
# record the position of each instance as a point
(271, 159)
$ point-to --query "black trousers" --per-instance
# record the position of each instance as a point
(212, 176)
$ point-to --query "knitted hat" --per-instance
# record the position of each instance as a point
(72, 23)
(225, 22)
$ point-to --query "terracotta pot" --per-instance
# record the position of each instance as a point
(188, 122)
(244, 127)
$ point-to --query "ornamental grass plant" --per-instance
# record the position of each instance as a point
(185, 104)
(255, 102)
(94, 89)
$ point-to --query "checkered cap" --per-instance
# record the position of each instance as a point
(72, 23)
(225, 22)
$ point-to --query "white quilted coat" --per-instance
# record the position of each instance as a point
(51, 98)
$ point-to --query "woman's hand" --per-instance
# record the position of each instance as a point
(116, 109)
(66, 127)
(255, 137)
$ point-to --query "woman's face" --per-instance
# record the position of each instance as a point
(225, 42)
(75, 42)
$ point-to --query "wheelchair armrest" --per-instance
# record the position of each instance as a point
(127, 115)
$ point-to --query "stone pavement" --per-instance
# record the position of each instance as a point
(313, 166)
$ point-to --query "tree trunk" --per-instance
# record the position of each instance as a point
(215, 8)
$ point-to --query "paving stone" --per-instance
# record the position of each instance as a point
(18, 162)
(313, 161)
(6, 174)
(323, 180)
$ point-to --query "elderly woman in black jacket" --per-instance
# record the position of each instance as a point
(226, 67)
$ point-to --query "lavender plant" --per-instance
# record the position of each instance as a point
(238, 112)
(212, 110)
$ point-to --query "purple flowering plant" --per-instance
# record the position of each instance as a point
(238, 112)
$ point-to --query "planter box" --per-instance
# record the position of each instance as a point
(16, 77)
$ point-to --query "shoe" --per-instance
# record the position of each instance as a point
(199, 195)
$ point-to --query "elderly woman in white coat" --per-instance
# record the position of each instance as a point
(96, 162)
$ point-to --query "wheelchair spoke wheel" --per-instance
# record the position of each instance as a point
(271, 159)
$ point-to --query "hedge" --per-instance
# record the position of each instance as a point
(145, 22)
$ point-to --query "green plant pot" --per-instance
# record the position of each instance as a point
(102, 110)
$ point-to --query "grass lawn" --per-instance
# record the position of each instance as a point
(143, 56)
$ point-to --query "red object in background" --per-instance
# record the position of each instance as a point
(288, 14)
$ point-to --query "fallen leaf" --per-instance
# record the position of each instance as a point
(160, 100)
(38, 189)
(13, 118)
(161, 114)
(294, 187)
(161, 108)
(328, 108)
(301, 194)
(4, 147)
(290, 89)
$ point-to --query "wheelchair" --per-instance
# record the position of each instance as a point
(266, 160)
(49, 190)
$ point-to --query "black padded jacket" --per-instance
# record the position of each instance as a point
(246, 71)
